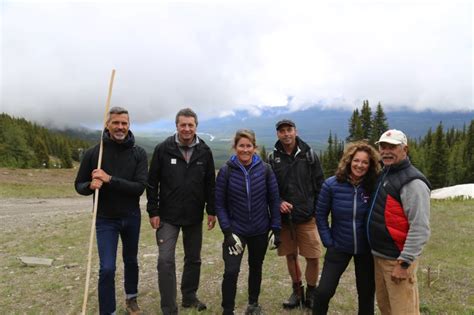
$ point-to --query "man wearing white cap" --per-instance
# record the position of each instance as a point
(398, 226)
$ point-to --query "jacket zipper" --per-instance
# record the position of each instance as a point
(354, 211)
(247, 187)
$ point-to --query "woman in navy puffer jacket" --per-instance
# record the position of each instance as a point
(346, 197)
(248, 207)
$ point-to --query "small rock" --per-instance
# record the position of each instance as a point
(69, 266)
(36, 261)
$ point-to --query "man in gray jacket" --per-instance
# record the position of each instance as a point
(398, 226)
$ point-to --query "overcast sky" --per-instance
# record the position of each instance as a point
(221, 56)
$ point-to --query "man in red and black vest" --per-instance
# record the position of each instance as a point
(398, 226)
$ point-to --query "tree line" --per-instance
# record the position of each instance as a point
(27, 145)
(446, 157)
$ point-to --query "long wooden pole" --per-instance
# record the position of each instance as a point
(96, 196)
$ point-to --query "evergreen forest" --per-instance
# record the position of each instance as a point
(27, 145)
(444, 155)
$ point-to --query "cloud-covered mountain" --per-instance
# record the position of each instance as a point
(314, 124)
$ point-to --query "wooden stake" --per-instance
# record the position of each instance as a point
(429, 276)
(96, 196)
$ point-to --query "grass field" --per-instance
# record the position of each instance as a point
(37, 183)
(59, 289)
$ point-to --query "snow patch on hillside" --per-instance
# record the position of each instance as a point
(465, 190)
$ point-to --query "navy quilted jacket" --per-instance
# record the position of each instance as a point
(349, 206)
(247, 200)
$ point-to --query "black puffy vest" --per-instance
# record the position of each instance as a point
(387, 224)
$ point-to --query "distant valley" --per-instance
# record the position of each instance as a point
(313, 126)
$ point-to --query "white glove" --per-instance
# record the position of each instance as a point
(274, 239)
(236, 248)
(271, 241)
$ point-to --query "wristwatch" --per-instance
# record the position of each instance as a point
(404, 264)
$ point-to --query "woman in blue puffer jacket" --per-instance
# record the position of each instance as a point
(248, 207)
(346, 197)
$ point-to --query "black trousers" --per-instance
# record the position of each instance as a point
(335, 263)
(257, 247)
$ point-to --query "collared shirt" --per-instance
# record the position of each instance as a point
(186, 150)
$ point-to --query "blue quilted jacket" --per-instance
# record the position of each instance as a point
(348, 206)
(247, 200)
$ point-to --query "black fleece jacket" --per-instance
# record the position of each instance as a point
(127, 164)
(299, 178)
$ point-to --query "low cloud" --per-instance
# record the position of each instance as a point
(218, 57)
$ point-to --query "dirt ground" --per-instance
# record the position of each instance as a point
(37, 176)
(40, 211)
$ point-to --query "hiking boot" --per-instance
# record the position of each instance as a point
(309, 300)
(198, 305)
(296, 298)
(132, 306)
(253, 309)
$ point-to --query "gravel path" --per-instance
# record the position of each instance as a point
(14, 213)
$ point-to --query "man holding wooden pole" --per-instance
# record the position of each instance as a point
(121, 181)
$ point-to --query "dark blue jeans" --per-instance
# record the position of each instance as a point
(108, 231)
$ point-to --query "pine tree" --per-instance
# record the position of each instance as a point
(328, 157)
(338, 150)
(425, 153)
(366, 120)
(356, 131)
(450, 137)
(14, 150)
(439, 159)
(379, 124)
(456, 171)
(65, 156)
(41, 153)
(469, 154)
(352, 124)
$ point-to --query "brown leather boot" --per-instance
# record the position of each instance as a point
(132, 306)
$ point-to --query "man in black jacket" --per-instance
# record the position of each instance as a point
(121, 181)
(300, 178)
(181, 181)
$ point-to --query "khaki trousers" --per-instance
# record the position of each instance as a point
(392, 298)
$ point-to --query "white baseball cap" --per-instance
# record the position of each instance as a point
(393, 136)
